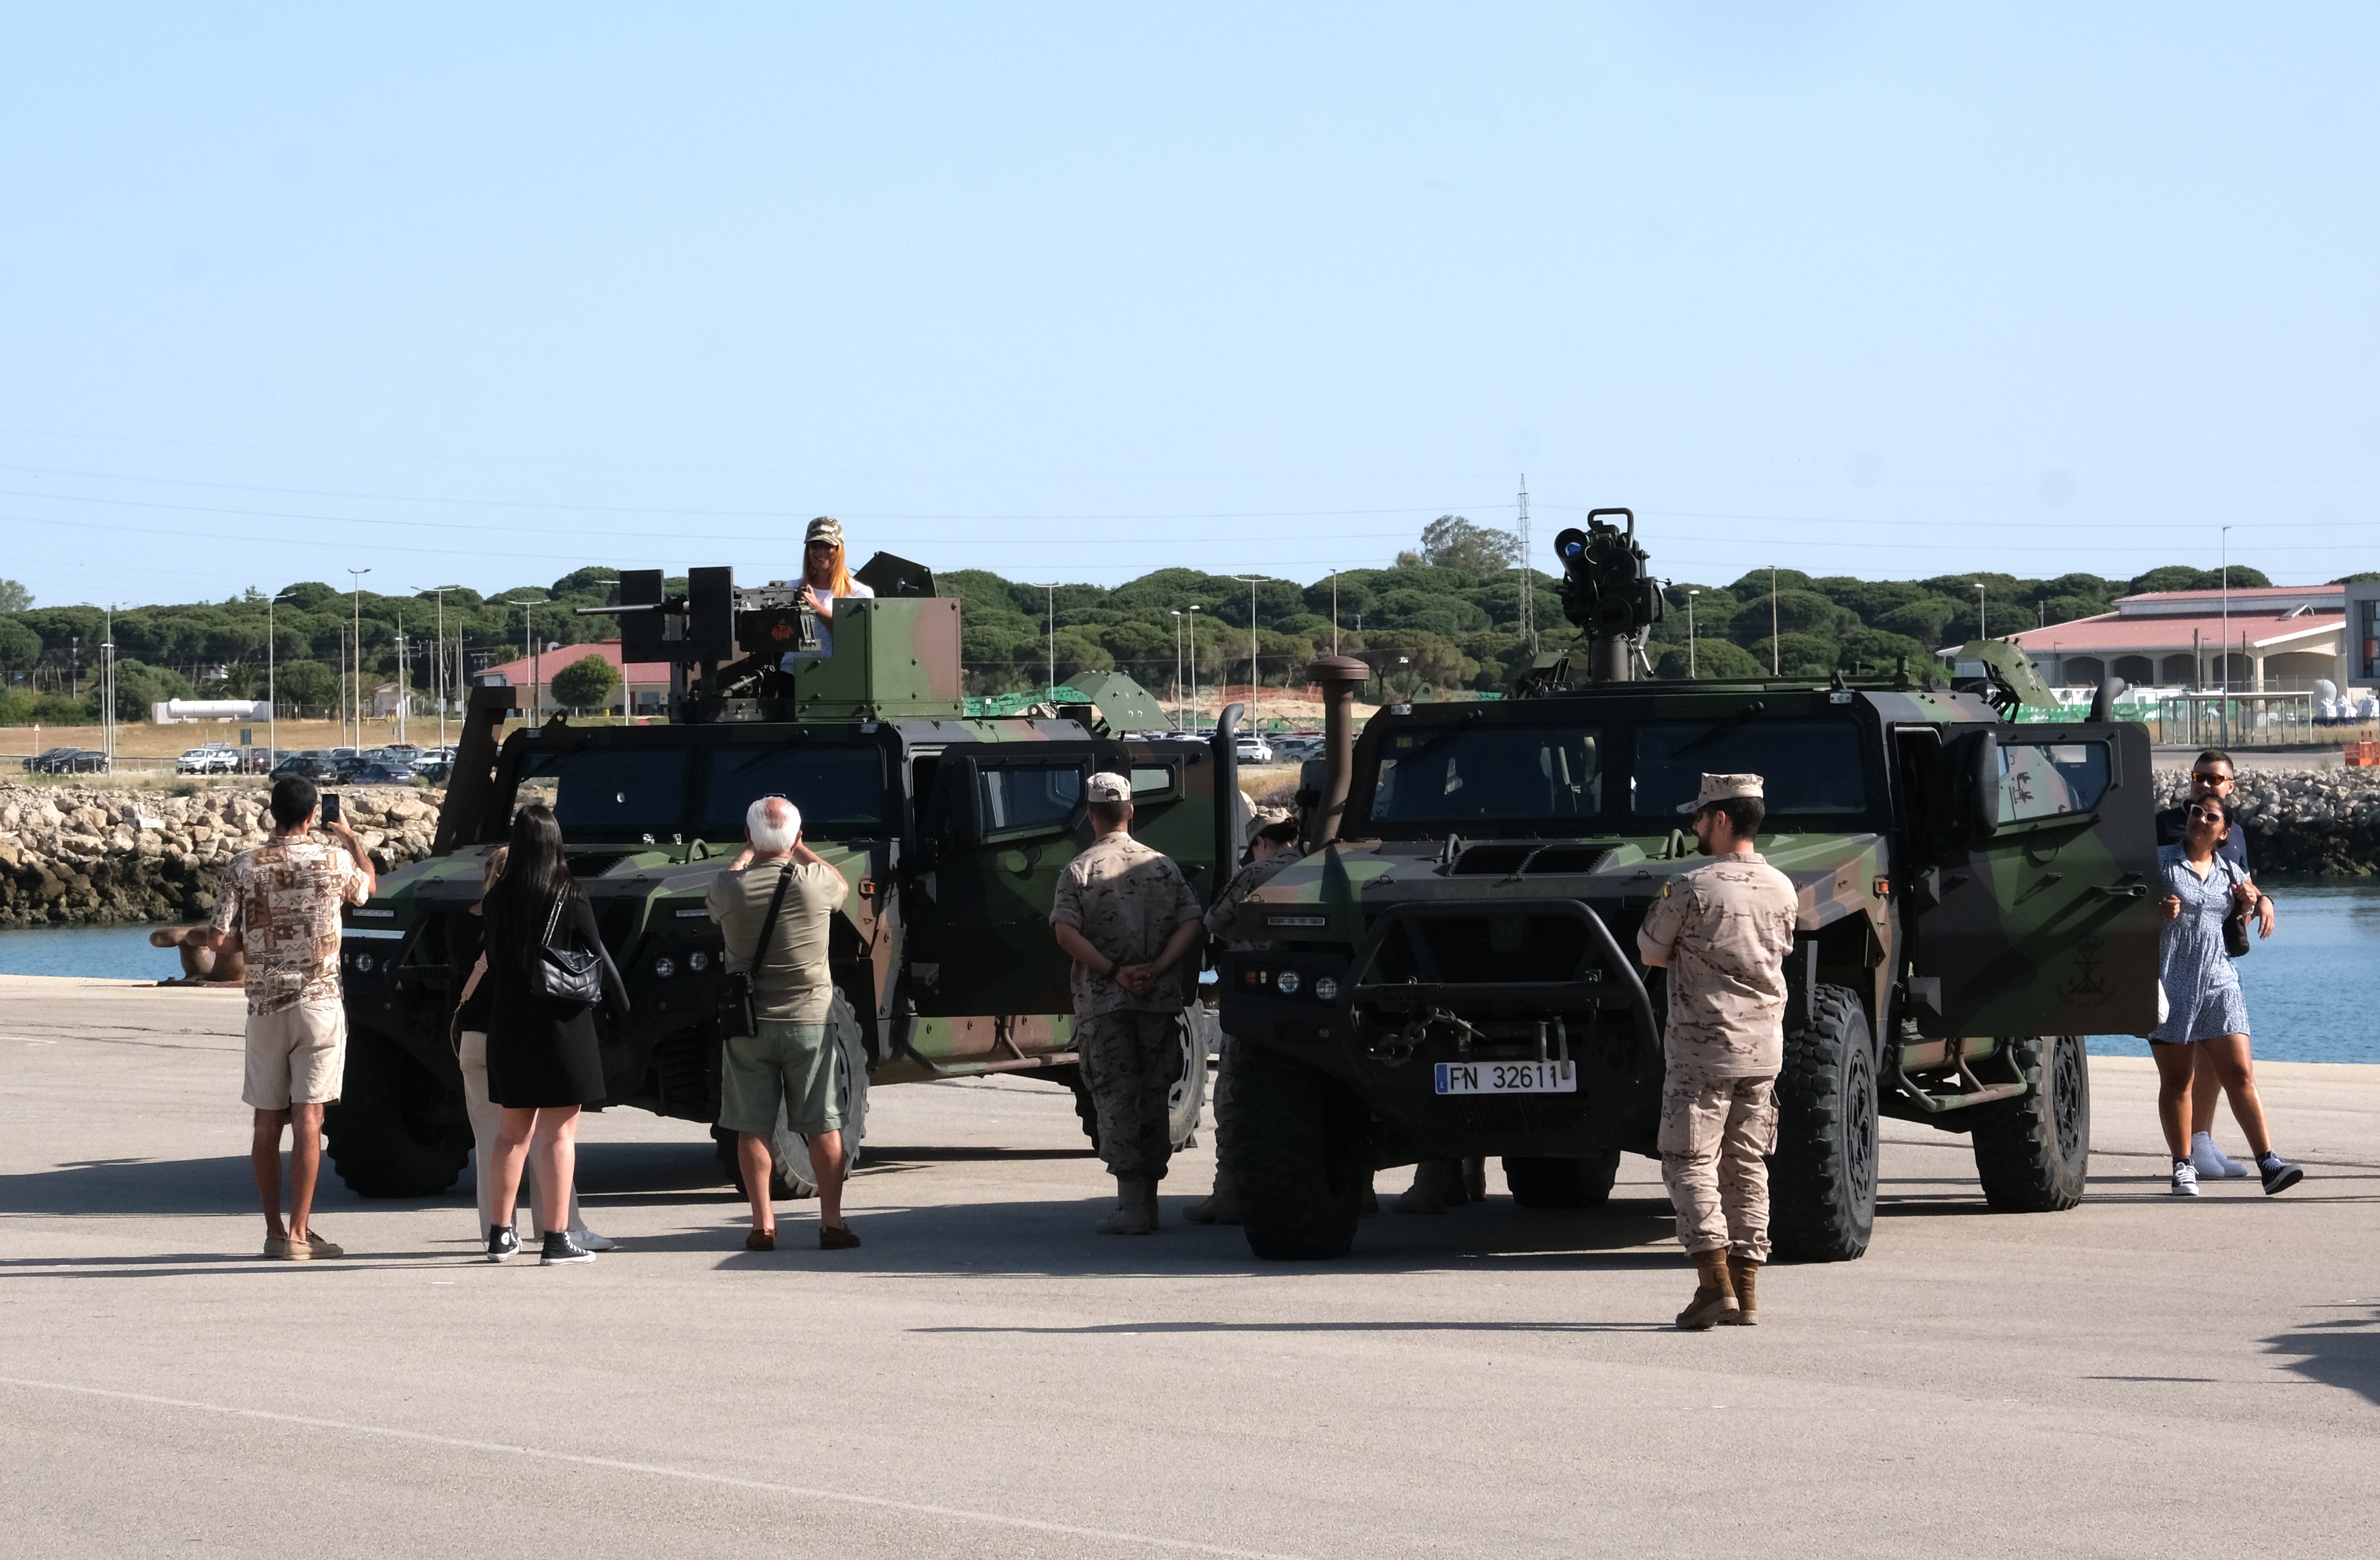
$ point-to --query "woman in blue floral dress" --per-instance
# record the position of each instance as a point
(2204, 1007)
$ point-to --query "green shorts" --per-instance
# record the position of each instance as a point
(800, 1065)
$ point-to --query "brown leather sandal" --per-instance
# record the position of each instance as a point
(761, 1240)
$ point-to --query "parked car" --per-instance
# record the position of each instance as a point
(387, 772)
(211, 758)
(1254, 750)
(68, 761)
(312, 766)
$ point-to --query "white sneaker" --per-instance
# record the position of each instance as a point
(2213, 1162)
(589, 1241)
(2185, 1181)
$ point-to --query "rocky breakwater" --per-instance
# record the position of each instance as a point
(2304, 822)
(99, 856)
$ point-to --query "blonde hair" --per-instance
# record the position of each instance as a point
(493, 867)
(838, 572)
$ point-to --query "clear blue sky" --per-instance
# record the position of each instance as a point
(482, 294)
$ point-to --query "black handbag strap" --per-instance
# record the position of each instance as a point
(768, 923)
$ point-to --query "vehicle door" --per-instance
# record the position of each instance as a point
(2035, 910)
(1001, 822)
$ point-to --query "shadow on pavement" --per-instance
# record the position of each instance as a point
(2345, 1353)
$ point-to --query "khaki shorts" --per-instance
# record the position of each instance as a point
(800, 1065)
(296, 1057)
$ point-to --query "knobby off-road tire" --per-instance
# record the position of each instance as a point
(1184, 1102)
(394, 1131)
(1822, 1177)
(1562, 1183)
(1299, 1149)
(2033, 1153)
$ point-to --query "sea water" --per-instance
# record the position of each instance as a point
(2306, 997)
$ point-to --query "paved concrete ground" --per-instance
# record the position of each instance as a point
(986, 1377)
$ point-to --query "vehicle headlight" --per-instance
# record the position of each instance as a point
(363, 964)
(1287, 982)
(697, 961)
(665, 966)
(1326, 990)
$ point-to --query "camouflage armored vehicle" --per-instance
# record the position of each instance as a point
(1452, 969)
(951, 831)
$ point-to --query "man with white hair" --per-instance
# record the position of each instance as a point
(779, 886)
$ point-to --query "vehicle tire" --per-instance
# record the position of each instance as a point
(787, 1181)
(1185, 1101)
(2033, 1153)
(1562, 1183)
(397, 1130)
(1300, 1151)
(1822, 1177)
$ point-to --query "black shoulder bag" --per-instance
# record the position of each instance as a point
(563, 974)
(738, 1016)
(2235, 925)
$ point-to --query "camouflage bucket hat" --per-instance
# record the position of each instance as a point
(1721, 788)
(825, 529)
(1109, 787)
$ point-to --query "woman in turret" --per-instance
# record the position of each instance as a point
(826, 578)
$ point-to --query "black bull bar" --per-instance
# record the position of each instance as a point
(1604, 977)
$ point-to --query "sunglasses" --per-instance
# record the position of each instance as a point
(2205, 777)
(2207, 813)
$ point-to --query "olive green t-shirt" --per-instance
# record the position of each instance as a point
(793, 985)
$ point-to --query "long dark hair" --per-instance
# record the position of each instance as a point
(536, 876)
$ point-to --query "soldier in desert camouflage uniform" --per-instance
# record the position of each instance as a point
(1722, 930)
(1273, 847)
(1127, 917)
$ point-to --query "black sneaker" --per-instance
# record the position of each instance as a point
(2279, 1173)
(559, 1248)
(502, 1242)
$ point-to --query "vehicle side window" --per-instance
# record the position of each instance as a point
(1150, 783)
(1012, 798)
(2050, 779)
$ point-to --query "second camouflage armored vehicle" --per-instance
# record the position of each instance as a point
(951, 831)
(1452, 969)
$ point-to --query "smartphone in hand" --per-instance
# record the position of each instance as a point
(330, 807)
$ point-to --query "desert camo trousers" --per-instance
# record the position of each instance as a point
(1715, 1135)
(1129, 1061)
(1227, 1113)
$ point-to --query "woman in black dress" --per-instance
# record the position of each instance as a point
(542, 1059)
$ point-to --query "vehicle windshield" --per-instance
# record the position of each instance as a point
(608, 795)
(1513, 775)
(1807, 766)
(840, 789)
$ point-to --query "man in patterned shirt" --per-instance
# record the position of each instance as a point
(1127, 917)
(280, 903)
(1722, 930)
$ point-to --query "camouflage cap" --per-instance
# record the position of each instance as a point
(1720, 788)
(825, 529)
(1109, 787)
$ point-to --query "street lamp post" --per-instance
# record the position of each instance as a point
(107, 688)
(1981, 632)
(438, 658)
(357, 583)
(1193, 620)
(2226, 637)
(272, 689)
(1177, 668)
(1254, 675)
(1690, 632)
(1776, 651)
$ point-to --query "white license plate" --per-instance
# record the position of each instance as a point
(1508, 1077)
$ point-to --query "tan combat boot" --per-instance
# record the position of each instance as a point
(1221, 1207)
(1436, 1186)
(1136, 1207)
(1713, 1301)
(1742, 1275)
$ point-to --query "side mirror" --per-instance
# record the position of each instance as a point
(1966, 801)
(1980, 811)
